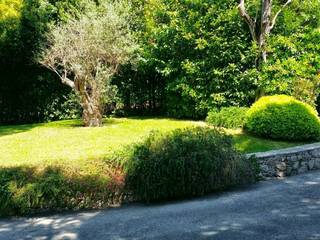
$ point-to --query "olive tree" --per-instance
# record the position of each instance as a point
(87, 50)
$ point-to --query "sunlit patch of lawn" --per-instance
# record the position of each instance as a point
(250, 144)
(68, 143)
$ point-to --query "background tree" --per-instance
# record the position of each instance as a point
(260, 28)
(29, 92)
(87, 50)
(262, 24)
(195, 56)
(294, 54)
(198, 55)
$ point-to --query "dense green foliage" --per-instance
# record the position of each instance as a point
(185, 163)
(198, 55)
(228, 117)
(25, 190)
(27, 91)
(294, 54)
(194, 56)
(283, 117)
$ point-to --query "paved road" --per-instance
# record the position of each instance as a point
(287, 209)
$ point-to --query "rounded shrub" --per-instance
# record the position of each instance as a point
(229, 117)
(283, 117)
(185, 163)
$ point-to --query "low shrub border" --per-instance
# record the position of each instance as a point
(228, 117)
(28, 190)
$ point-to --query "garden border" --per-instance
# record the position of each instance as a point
(289, 161)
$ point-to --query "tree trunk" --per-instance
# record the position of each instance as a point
(92, 117)
(260, 33)
(92, 112)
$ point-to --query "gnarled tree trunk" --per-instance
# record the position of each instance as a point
(91, 116)
(91, 104)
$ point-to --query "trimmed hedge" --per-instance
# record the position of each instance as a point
(283, 117)
(185, 163)
(229, 117)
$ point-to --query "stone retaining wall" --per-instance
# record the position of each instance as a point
(289, 161)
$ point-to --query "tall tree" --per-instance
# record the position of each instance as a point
(261, 25)
(86, 51)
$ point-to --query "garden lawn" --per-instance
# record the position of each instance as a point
(250, 144)
(70, 144)
(67, 143)
(62, 165)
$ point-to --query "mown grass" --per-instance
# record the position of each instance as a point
(62, 165)
(247, 143)
(70, 144)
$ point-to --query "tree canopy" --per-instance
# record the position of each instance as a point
(87, 50)
(194, 56)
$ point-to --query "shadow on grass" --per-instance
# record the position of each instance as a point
(28, 190)
(160, 118)
(14, 129)
(77, 123)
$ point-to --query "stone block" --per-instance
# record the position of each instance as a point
(293, 172)
(311, 164)
(281, 174)
(289, 171)
(281, 166)
(303, 169)
(317, 163)
(291, 161)
(296, 165)
(293, 158)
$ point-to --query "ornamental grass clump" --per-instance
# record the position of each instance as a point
(185, 163)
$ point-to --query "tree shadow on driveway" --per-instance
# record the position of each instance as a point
(286, 209)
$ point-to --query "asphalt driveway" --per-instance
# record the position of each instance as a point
(281, 209)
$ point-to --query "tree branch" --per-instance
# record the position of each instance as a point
(273, 22)
(251, 23)
(64, 79)
(67, 81)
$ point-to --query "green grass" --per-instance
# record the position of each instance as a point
(70, 144)
(250, 144)
(62, 165)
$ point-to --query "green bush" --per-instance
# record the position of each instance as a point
(27, 190)
(283, 117)
(185, 163)
(230, 117)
